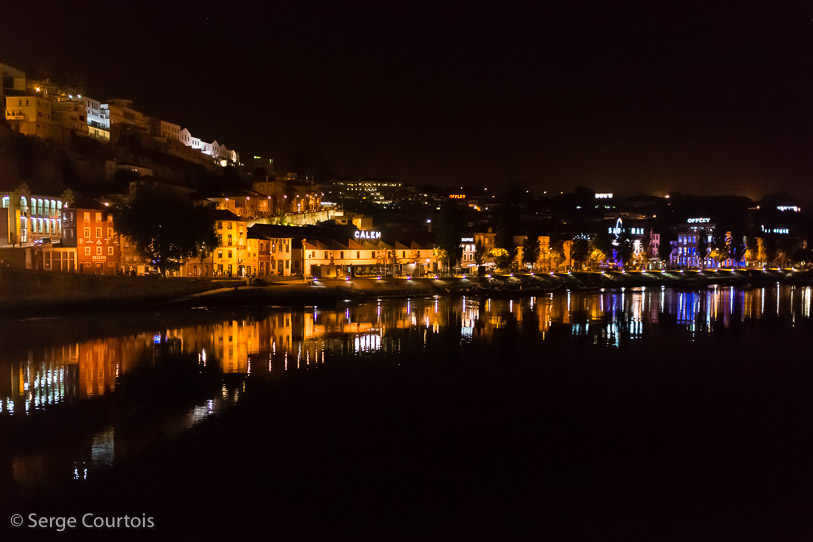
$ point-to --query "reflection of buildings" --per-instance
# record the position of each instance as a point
(300, 339)
(43, 376)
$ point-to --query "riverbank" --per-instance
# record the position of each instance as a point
(330, 291)
(27, 293)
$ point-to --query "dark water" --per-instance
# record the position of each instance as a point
(637, 414)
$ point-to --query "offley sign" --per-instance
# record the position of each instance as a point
(367, 235)
(698, 220)
(457, 196)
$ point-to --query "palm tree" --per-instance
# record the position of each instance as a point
(530, 252)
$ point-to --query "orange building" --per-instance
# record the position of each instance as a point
(97, 243)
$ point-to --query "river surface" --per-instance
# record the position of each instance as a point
(81, 396)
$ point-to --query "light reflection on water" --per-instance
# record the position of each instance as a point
(269, 345)
(50, 375)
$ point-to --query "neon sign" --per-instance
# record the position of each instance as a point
(698, 220)
(457, 196)
(367, 235)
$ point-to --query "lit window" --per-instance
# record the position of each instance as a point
(87, 251)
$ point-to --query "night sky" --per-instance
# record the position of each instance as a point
(652, 97)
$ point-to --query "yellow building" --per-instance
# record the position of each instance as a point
(330, 258)
(30, 115)
(271, 250)
(246, 204)
(230, 257)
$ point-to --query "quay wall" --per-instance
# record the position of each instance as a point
(24, 288)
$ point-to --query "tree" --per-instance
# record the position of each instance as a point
(702, 247)
(802, 255)
(602, 242)
(480, 252)
(736, 250)
(449, 232)
(167, 228)
(580, 251)
(721, 250)
(506, 226)
(557, 253)
(668, 236)
(530, 252)
(503, 259)
(771, 249)
(646, 246)
(625, 250)
(750, 250)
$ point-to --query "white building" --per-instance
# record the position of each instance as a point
(98, 119)
(186, 137)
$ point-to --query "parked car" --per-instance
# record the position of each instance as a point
(43, 241)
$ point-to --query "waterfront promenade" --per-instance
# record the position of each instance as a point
(24, 293)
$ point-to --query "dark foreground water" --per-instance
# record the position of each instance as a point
(619, 415)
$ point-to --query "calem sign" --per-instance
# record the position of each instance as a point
(367, 234)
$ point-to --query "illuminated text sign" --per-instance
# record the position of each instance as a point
(698, 220)
(367, 235)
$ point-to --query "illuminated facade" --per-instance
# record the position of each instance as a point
(367, 258)
(229, 259)
(28, 217)
(487, 241)
(98, 119)
(246, 204)
(289, 197)
(92, 232)
(270, 254)
(388, 193)
(685, 250)
(30, 115)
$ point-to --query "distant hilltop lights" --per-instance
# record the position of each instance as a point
(604, 195)
(367, 235)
